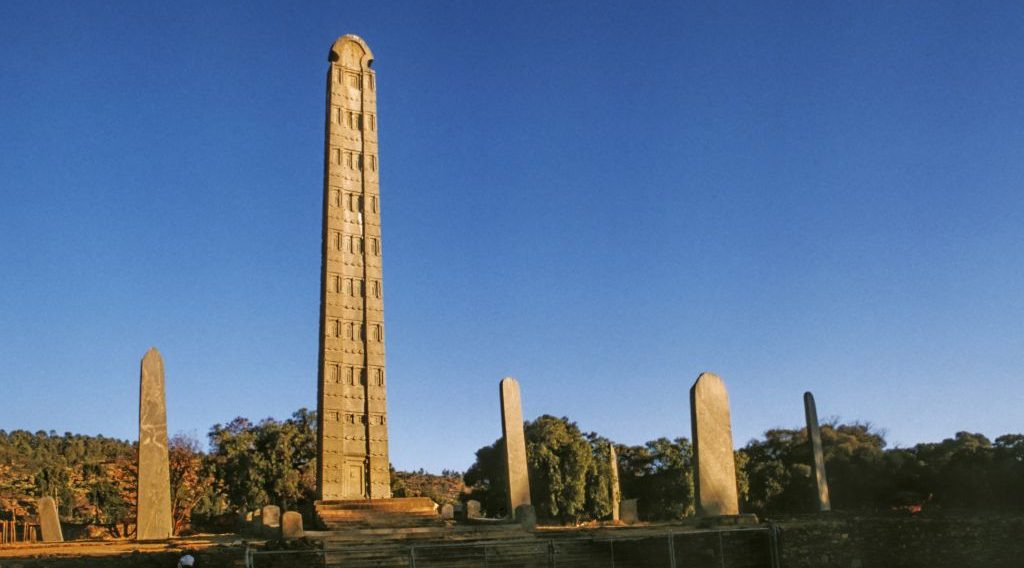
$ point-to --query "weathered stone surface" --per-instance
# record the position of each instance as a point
(628, 511)
(352, 438)
(714, 479)
(270, 519)
(49, 521)
(472, 509)
(814, 439)
(613, 466)
(515, 444)
(447, 511)
(154, 497)
(526, 516)
(291, 525)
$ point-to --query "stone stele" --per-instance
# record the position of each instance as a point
(472, 509)
(613, 466)
(515, 445)
(447, 511)
(291, 525)
(49, 522)
(154, 498)
(814, 438)
(714, 479)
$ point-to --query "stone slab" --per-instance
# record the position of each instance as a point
(154, 496)
(447, 512)
(49, 521)
(515, 444)
(291, 525)
(714, 479)
(270, 520)
(628, 512)
(818, 456)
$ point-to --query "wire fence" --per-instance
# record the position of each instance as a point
(726, 548)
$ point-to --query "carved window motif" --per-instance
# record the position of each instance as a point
(337, 240)
(337, 115)
(337, 284)
(376, 247)
(375, 204)
(332, 416)
(335, 197)
(378, 332)
(349, 330)
(348, 375)
(373, 122)
(337, 156)
(380, 377)
(350, 418)
(335, 329)
(376, 288)
(373, 83)
(373, 163)
(355, 82)
(332, 374)
(348, 159)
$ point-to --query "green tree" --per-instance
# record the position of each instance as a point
(558, 458)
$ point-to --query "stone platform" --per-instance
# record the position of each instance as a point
(377, 513)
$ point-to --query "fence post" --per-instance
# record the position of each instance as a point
(412, 557)
(611, 546)
(671, 551)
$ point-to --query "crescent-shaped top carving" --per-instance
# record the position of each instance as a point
(351, 51)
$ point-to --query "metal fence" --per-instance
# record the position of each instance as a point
(755, 547)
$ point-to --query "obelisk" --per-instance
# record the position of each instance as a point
(613, 466)
(515, 445)
(814, 439)
(49, 520)
(352, 432)
(154, 498)
(714, 471)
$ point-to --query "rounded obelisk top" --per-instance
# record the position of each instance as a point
(351, 50)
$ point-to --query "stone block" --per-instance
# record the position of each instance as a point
(270, 519)
(472, 509)
(49, 521)
(526, 516)
(628, 511)
(447, 512)
(714, 479)
(291, 526)
(154, 477)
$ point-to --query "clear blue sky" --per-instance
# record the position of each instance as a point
(602, 200)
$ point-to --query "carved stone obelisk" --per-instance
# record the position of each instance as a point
(714, 478)
(814, 439)
(49, 521)
(613, 465)
(154, 499)
(515, 445)
(352, 432)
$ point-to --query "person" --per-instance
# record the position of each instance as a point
(186, 560)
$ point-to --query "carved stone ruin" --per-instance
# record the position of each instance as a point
(154, 498)
(270, 520)
(291, 526)
(472, 509)
(49, 521)
(613, 466)
(814, 439)
(447, 511)
(515, 445)
(714, 479)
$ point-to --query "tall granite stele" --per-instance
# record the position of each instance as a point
(714, 479)
(154, 498)
(515, 445)
(49, 521)
(353, 481)
(352, 432)
(814, 439)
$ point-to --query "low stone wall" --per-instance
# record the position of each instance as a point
(925, 540)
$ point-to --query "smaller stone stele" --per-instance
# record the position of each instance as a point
(628, 511)
(270, 520)
(291, 526)
(714, 479)
(814, 438)
(49, 522)
(472, 509)
(447, 511)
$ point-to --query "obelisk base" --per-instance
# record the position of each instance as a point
(396, 512)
